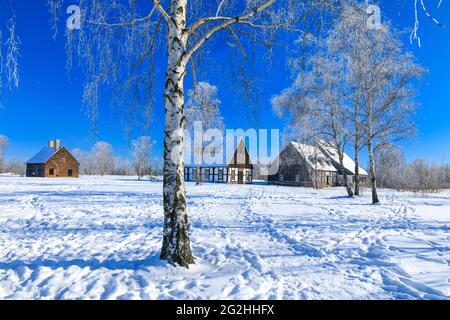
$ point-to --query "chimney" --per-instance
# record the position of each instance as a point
(58, 144)
(51, 144)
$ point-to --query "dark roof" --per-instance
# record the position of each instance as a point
(42, 156)
(241, 148)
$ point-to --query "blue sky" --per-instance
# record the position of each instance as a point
(48, 105)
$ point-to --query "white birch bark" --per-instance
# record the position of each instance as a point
(176, 246)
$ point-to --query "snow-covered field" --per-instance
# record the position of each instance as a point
(99, 238)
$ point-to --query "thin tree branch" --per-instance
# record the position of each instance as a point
(238, 42)
(223, 26)
(124, 24)
(220, 7)
(163, 12)
(202, 21)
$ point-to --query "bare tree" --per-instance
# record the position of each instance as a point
(425, 177)
(419, 175)
(16, 166)
(346, 56)
(3, 145)
(391, 165)
(203, 108)
(316, 99)
(87, 163)
(141, 149)
(103, 157)
(123, 167)
(382, 74)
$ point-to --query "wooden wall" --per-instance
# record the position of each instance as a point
(295, 171)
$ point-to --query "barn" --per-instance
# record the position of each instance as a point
(53, 161)
(312, 166)
(304, 165)
(238, 171)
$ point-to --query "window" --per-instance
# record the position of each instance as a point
(70, 172)
(51, 171)
(281, 178)
(297, 178)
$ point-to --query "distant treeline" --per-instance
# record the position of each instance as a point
(419, 175)
(100, 160)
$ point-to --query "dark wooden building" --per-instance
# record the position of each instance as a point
(53, 161)
(304, 165)
(312, 166)
(238, 171)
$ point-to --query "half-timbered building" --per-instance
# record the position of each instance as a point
(239, 170)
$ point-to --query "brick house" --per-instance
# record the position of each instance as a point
(53, 161)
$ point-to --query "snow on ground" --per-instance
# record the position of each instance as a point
(99, 238)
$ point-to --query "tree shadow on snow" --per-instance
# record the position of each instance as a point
(93, 264)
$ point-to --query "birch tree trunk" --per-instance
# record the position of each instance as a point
(372, 174)
(176, 246)
(373, 179)
(357, 189)
(346, 183)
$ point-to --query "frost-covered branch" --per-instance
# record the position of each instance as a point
(12, 55)
(415, 32)
(226, 24)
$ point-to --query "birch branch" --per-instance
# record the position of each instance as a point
(124, 24)
(163, 12)
(238, 41)
(219, 8)
(223, 26)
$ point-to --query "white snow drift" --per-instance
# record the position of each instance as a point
(99, 238)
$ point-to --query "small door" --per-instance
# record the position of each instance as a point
(240, 177)
(70, 172)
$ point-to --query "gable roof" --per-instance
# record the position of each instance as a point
(314, 157)
(45, 154)
(42, 156)
(227, 161)
(349, 164)
(241, 148)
